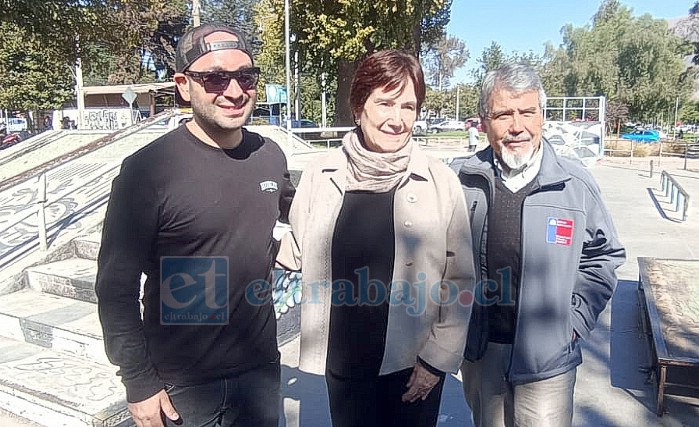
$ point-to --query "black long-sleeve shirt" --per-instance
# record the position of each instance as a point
(178, 197)
(363, 254)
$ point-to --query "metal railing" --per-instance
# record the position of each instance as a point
(671, 188)
(334, 136)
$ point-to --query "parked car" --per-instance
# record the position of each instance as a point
(448, 126)
(9, 140)
(420, 127)
(642, 135)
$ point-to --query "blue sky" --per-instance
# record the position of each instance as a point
(524, 25)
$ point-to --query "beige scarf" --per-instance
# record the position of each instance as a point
(371, 171)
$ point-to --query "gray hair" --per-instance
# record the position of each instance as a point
(518, 78)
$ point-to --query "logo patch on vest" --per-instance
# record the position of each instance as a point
(268, 186)
(559, 231)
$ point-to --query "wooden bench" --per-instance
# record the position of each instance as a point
(668, 292)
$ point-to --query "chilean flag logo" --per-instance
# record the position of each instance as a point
(559, 231)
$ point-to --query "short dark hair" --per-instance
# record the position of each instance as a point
(386, 68)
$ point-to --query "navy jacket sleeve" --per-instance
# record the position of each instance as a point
(602, 254)
(129, 234)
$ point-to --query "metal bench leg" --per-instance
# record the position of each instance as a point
(662, 377)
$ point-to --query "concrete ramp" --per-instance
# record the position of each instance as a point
(291, 145)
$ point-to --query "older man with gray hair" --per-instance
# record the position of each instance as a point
(547, 251)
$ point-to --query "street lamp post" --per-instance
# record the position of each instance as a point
(196, 13)
(288, 68)
(458, 89)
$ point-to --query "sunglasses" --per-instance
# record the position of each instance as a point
(218, 81)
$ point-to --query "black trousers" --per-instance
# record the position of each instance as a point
(249, 399)
(376, 402)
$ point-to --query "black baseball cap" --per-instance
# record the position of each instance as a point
(192, 45)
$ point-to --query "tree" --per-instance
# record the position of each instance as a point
(442, 60)
(553, 69)
(133, 38)
(689, 112)
(491, 58)
(56, 23)
(239, 14)
(34, 77)
(636, 62)
(617, 113)
(332, 37)
(149, 33)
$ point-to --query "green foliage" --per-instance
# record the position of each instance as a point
(491, 58)
(34, 77)
(331, 37)
(56, 23)
(636, 62)
(145, 37)
(115, 30)
(239, 14)
(617, 114)
(440, 61)
(689, 113)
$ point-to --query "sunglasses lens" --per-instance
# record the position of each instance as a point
(247, 80)
(216, 82)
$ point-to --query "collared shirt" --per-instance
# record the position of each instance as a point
(515, 180)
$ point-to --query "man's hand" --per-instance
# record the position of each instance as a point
(149, 412)
(420, 384)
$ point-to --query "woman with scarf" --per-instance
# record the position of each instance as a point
(381, 234)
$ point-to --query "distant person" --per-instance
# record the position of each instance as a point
(65, 122)
(680, 134)
(47, 123)
(546, 244)
(194, 211)
(387, 227)
(473, 137)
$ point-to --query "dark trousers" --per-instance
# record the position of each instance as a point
(248, 399)
(376, 402)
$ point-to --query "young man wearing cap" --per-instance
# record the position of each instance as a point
(194, 211)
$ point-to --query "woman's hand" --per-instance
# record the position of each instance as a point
(420, 384)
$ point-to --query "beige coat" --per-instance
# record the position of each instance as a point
(433, 243)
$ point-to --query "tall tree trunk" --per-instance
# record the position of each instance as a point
(417, 29)
(345, 73)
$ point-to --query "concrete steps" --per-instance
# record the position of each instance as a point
(57, 323)
(53, 368)
(58, 390)
(87, 247)
(71, 278)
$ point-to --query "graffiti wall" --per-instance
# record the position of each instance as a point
(106, 119)
(93, 118)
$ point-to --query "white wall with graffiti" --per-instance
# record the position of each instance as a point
(95, 118)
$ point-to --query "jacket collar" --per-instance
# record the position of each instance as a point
(335, 166)
(551, 171)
